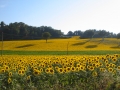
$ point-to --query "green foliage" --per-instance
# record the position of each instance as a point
(88, 33)
(98, 52)
(118, 35)
(46, 35)
(20, 30)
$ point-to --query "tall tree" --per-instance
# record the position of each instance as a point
(102, 33)
(118, 37)
(70, 33)
(88, 34)
(2, 24)
(46, 35)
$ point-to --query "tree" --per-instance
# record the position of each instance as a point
(102, 33)
(118, 37)
(46, 35)
(2, 24)
(70, 33)
(88, 34)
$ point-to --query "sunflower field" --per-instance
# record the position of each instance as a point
(60, 64)
(72, 44)
(60, 72)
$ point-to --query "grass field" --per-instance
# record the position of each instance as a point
(89, 52)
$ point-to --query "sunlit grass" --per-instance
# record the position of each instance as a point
(86, 52)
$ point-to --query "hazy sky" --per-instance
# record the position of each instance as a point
(65, 15)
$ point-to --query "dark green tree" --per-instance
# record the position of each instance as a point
(118, 37)
(88, 34)
(2, 24)
(102, 33)
(70, 33)
(46, 35)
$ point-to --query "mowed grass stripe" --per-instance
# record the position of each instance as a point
(100, 52)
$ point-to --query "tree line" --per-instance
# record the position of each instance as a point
(93, 33)
(20, 30)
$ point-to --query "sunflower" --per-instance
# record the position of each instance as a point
(118, 67)
(107, 56)
(36, 72)
(78, 65)
(91, 68)
(60, 70)
(41, 69)
(100, 64)
(24, 68)
(82, 68)
(9, 80)
(102, 69)
(10, 74)
(107, 65)
(114, 59)
(49, 66)
(73, 69)
(71, 63)
(6, 67)
(106, 61)
(14, 69)
(93, 64)
(97, 65)
(68, 69)
(116, 55)
(114, 72)
(77, 69)
(110, 69)
(2, 70)
(89, 62)
(28, 77)
(65, 69)
(56, 67)
(21, 72)
(47, 70)
(51, 71)
(94, 74)
(113, 65)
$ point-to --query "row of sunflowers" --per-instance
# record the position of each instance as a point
(51, 72)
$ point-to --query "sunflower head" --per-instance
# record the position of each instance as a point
(118, 67)
(10, 74)
(36, 72)
(94, 74)
(110, 69)
(21, 72)
(51, 71)
(9, 80)
(3, 70)
(60, 70)
(28, 77)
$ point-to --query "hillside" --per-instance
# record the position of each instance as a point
(73, 44)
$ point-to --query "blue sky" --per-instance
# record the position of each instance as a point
(64, 15)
